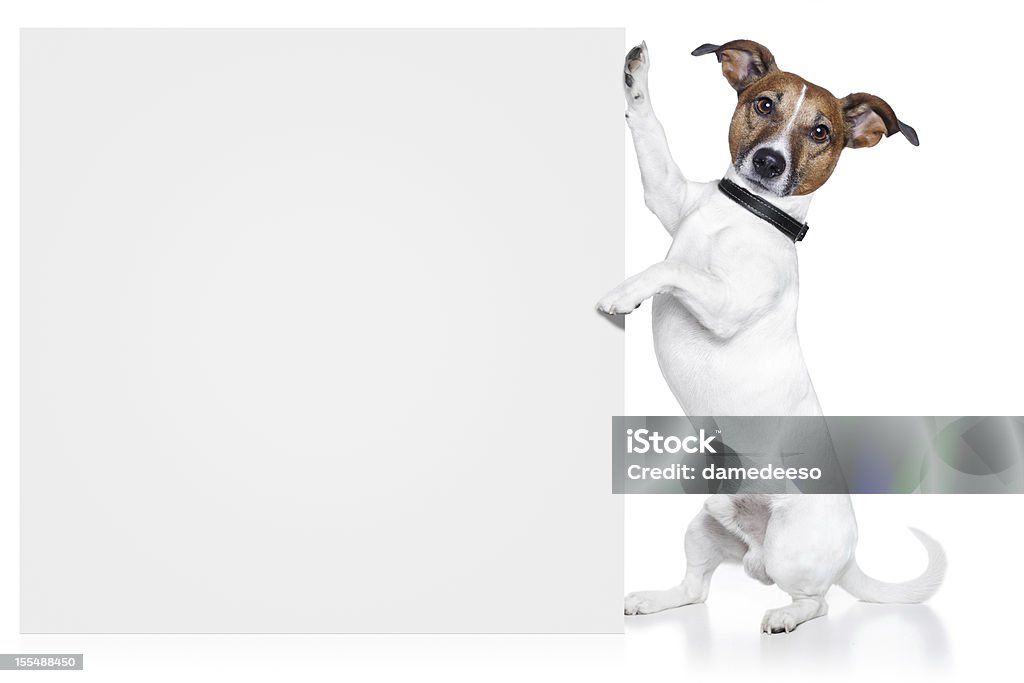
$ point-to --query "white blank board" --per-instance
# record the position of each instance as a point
(309, 342)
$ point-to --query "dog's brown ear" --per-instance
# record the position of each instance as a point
(867, 118)
(743, 61)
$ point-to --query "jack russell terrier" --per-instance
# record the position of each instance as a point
(725, 303)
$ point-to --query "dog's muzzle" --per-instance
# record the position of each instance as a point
(768, 163)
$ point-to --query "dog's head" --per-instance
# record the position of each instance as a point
(786, 133)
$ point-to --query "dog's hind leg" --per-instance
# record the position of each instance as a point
(707, 545)
(808, 544)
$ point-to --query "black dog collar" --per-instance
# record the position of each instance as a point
(766, 211)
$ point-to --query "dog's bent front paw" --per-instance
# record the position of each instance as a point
(616, 308)
(649, 602)
(617, 302)
(634, 75)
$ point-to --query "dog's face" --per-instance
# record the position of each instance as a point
(786, 133)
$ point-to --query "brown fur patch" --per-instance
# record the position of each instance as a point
(857, 120)
(744, 61)
(867, 119)
(813, 162)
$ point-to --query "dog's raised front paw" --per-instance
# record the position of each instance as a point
(634, 75)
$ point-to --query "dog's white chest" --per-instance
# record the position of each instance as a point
(759, 370)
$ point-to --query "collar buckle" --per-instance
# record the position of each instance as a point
(765, 210)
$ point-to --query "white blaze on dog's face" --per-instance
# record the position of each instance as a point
(787, 133)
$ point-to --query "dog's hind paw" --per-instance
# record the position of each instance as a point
(785, 619)
(778, 620)
(649, 602)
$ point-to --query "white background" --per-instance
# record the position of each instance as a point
(945, 70)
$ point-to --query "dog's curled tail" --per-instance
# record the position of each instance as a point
(860, 585)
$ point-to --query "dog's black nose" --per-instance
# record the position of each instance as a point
(768, 163)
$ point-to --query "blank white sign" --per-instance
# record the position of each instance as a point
(309, 342)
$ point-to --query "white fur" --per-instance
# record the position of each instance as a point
(796, 111)
(725, 302)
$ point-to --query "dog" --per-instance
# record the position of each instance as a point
(724, 318)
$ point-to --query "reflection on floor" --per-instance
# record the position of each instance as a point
(854, 638)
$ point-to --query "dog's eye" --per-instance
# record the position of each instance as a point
(764, 106)
(820, 133)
